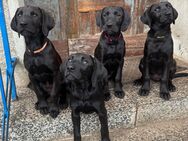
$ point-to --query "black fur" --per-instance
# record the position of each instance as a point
(158, 63)
(87, 88)
(111, 47)
(34, 24)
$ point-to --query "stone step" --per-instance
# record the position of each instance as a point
(173, 130)
(27, 124)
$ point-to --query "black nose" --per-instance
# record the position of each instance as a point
(70, 68)
(23, 23)
(109, 25)
(168, 13)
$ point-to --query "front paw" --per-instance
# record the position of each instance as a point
(42, 106)
(54, 112)
(119, 93)
(138, 82)
(165, 95)
(106, 139)
(63, 106)
(143, 92)
(172, 88)
(107, 96)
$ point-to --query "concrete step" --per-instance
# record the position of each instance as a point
(173, 130)
(27, 124)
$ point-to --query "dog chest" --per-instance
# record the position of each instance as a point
(83, 106)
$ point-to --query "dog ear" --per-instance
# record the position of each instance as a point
(175, 15)
(99, 19)
(62, 66)
(99, 73)
(145, 18)
(47, 22)
(13, 23)
(126, 20)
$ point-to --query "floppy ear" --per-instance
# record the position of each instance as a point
(175, 14)
(99, 73)
(13, 24)
(47, 22)
(62, 66)
(99, 18)
(145, 18)
(126, 20)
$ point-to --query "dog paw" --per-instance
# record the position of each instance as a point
(30, 86)
(42, 107)
(105, 139)
(137, 82)
(165, 95)
(54, 112)
(107, 96)
(172, 88)
(63, 106)
(143, 92)
(120, 94)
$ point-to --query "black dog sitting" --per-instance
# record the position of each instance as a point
(111, 47)
(158, 63)
(40, 59)
(87, 87)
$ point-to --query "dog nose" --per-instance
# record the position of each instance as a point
(70, 68)
(23, 23)
(109, 25)
(167, 13)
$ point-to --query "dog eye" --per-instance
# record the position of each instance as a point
(117, 14)
(168, 6)
(85, 62)
(20, 14)
(69, 60)
(106, 14)
(33, 14)
(157, 9)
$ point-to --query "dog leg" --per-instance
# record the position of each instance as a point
(76, 124)
(164, 89)
(118, 82)
(144, 90)
(104, 123)
(107, 95)
(54, 96)
(171, 87)
(139, 82)
(41, 104)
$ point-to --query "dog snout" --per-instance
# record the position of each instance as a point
(168, 13)
(109, 25)
(23, 23)
(70, 67)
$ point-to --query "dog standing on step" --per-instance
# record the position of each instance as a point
(40, 59)
(158, 63)
(111, 47)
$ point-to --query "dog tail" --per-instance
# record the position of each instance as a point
(180, 75)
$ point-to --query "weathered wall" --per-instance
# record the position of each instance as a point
(179, 30)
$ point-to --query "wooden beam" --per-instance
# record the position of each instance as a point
(87, 6)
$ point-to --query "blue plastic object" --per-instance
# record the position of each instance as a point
(10, 83)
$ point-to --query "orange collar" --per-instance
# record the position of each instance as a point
(40, 49)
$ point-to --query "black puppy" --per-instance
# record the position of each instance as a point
(87, 87)
(40, 59)
(158, 63)
(111, 47)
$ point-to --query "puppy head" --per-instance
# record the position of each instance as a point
(113, 19)
(81, 67)
(30, 21)
(162, 13)
(78, 67)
